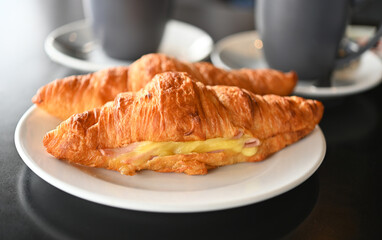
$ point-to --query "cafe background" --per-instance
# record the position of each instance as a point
(340, 201)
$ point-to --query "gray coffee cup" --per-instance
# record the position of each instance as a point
(128, 29)
(304, 35)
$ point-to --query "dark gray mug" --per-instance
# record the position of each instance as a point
(304, 35)
(128, 29)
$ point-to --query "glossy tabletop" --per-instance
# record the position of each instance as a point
(340, 201)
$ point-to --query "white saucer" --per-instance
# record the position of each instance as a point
(180, 40)
(222, 188)
(239, 51)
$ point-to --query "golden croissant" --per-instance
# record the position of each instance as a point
(75, 94)
(177, 125)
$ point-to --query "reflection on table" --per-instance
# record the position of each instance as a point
(67, 217)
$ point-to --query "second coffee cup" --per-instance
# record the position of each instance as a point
(305, 36)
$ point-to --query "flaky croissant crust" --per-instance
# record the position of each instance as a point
(75, 94)
(258, 81)
(174, 108)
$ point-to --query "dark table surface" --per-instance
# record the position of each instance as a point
(340, 201)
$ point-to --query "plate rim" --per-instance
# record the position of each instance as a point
(307, 91)
(106, 200)
(87, 66)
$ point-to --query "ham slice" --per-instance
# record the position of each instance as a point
(118, 151)
(252, 142)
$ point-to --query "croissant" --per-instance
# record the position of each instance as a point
(177, 125)
(75, 94)
(64, 97)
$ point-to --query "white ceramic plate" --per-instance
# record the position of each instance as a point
(181, 40)
(239, 51)
(221, 188)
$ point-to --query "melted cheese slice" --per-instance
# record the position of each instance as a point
(209, 145)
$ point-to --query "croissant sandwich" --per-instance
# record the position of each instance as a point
(75, 94)
(177, 125)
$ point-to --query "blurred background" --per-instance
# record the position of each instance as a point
(341, 201)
